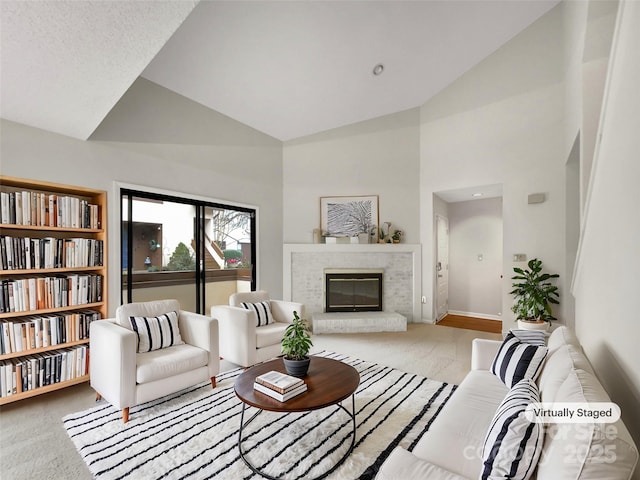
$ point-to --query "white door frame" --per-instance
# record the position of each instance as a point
(442, 267)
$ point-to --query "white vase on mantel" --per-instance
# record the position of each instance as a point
(537, 325)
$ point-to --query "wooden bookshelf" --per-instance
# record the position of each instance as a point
(84, 220)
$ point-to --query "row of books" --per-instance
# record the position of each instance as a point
(47, 210)
(279, 385)
(23, 253)
(19, 375)
(34, 332)
(37, 293)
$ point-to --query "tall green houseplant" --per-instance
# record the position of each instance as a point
(534, 293)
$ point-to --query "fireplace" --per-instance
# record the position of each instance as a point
(353, 290)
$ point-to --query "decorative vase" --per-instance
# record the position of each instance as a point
(297, 368)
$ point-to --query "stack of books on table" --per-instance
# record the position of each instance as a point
(279, 385)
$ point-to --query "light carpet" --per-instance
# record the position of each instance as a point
(194, 433)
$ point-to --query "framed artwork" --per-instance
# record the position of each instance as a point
(348, 216)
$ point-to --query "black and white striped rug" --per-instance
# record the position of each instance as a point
(193, 434)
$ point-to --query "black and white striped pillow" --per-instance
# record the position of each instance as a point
(158, 332)
(534, 337)
(516, 360)
(513, 444)
(263, 312)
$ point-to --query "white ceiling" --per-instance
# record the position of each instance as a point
(286, 68)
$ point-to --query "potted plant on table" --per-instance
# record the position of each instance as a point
(296, 344)
(534, 295)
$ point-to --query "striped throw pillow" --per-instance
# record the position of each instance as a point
(158, 332)
(516, 360)
(534, 337)
(263, 312)
(513, 444)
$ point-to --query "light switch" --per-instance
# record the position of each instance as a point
(519, 257)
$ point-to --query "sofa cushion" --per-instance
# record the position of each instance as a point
(562, 336)
(513, 443)
(516, 360)
(454, 440)
(155, 333)
(557, 367)
(262, 310)
(160, 364)
(588, 451)
(270, 334)
(402, 464)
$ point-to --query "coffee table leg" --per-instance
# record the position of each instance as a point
(351, 414)
(242, 425)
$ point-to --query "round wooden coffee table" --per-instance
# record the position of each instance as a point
(329, 382)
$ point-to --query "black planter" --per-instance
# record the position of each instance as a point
(296, 368)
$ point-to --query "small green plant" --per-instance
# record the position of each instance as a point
(296, 342)
(533, 293)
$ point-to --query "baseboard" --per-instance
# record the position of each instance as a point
(485, 316)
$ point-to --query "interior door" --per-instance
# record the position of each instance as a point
(442, 266)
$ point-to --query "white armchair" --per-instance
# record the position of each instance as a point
(242, 341)
(125, 378)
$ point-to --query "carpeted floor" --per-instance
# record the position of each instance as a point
(34, 443)
(193, 434)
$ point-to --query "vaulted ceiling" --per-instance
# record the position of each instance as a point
(285, 68)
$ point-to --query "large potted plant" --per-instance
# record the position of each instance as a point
(296, 344)
(534, 294)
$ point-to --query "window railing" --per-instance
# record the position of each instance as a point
(185, 277)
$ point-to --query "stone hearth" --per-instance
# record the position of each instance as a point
(358, 322)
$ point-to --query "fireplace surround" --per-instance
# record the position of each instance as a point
(304, 265)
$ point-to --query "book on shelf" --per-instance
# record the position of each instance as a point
(281, 397)
(278, 381)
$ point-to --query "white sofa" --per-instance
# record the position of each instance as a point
(452, 448)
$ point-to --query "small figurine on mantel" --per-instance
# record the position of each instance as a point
(385, 237)
(389, 235)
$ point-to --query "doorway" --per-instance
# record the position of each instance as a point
(468, 263)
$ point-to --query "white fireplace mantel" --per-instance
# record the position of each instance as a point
(320, 256)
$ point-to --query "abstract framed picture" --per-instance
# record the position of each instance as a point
(348, 216)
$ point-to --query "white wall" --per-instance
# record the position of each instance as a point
(376, 157)
(607, 283)
(156, 138)
(475, 286)
(501, 123)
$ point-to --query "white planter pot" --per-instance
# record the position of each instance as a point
(522, 325)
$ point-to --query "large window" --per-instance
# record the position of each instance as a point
(196, 251)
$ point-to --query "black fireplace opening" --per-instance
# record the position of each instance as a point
(353, 292)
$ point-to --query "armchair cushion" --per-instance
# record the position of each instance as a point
(144, 309)
(158, 332)
(263, 312)
(270, 334)
(165, 363)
